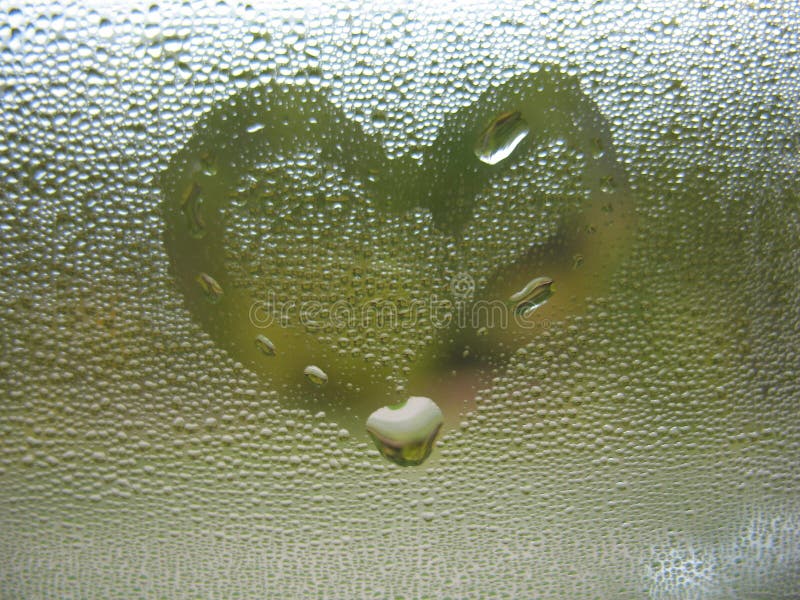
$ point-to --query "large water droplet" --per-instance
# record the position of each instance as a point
(265, 344)
(210, 287)
(191, 203)
(501, 136)
(532, 289)
(404, 433)
(316, 375)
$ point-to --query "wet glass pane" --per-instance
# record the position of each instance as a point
(400, 300)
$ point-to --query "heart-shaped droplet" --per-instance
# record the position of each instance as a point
(404, 432)
(300, 247)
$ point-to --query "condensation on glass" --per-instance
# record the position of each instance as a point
(552, 249)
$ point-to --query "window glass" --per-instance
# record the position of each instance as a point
(399, 300)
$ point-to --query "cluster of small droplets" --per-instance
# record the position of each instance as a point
(506, 222)
(330, 244)
(646, 447)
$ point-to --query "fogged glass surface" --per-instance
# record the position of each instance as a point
(233, 232)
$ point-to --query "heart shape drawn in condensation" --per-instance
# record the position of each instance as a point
(349, 280)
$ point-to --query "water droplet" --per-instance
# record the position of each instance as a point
(191, 203)
(379, 118)
(501, 137)
(532, 289)
(404, 433)
(316, 375)
(526, 309)
(597, 148)
(534, 295)
(211, 288)
(265, 344)
(209, 163)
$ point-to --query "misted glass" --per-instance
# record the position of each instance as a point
(400, 300)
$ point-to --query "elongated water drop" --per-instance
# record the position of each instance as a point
(501, 137)
(532, 289)
(526, 309)
(315, 375)
(404, 433)
(210, 287)
(265, 344)
(209, 163)
(191, 203)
